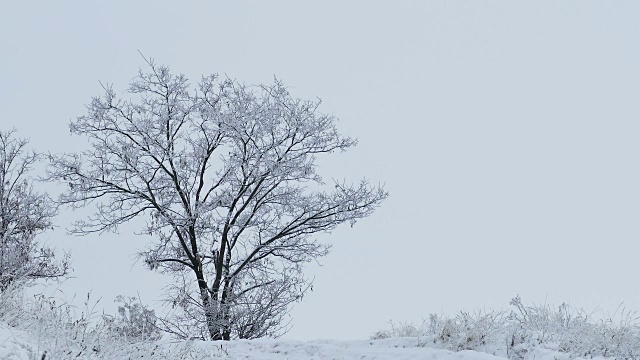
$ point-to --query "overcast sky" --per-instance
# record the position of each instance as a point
(507, 134)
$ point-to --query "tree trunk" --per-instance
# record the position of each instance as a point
(226, 332)
(210, 316)
(216, 294)
(209, 313)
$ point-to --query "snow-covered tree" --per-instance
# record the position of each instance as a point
(24, 214)
(225, 176)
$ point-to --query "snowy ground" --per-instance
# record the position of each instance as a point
(399, 349)
(38, 329)
(18, 345)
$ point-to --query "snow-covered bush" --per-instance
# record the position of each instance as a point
(60, 331)
(134, 321)
(400, 330)
(525, 330)
(465, 331)
(572, 331)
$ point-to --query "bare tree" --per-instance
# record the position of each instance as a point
(225, 176)
(24, 214)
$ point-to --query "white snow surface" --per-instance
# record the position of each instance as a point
(17, 345)
(397, 348)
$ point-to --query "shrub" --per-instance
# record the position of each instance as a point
(54, 330)
(526, 330)
(134, 321)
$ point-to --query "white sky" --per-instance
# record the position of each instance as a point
(506, 133)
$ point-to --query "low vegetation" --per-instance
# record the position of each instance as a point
(526, 329)
(42, 328)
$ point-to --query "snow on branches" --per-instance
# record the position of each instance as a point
(24, 214)
(225, 176)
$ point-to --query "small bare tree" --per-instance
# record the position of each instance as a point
(225, 175)
(24, 214)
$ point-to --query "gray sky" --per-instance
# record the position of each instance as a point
(506, 133)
